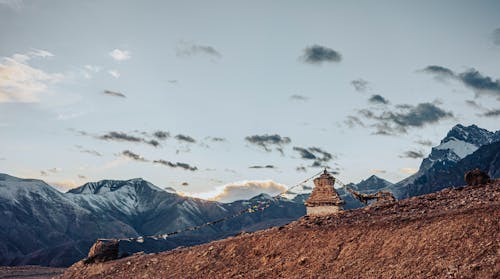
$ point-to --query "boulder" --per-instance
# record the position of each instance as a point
(102, 251)
(476, 177)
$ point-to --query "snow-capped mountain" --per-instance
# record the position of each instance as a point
(448, 161)
(40, 225)
(458, 143)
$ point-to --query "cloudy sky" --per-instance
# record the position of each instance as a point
(199, 94)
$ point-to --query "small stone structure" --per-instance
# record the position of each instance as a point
(324, 200)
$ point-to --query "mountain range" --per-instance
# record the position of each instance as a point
(41, 226)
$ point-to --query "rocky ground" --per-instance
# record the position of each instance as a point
(454, 233)
(30, 272)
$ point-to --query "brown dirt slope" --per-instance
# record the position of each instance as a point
(449, 234)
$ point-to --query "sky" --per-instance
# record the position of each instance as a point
(210, 97)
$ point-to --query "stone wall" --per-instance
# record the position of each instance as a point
(322, 210)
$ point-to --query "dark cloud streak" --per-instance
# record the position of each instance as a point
(492, 113)
(175, 165)
(399, 121)
(161, 135)
(185, 138)
(317, 154)
(471, 78)
(114, 94)
(131, 155)
(412, 154)
(268, 141)
(262, 167)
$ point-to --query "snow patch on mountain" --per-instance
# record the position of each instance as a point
(13, 188)
(460, 148)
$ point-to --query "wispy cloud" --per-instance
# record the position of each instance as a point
(472, 78)
(424, 142)
(492, 113)
(474, 104)
(186, 49)
(440, 72)
(496, 36)
(319, 156)
(47, 172)
(412, 154)
(360, 85)
(21, 82)
(133, 156)
(268, 142)
(121, 136)
(479, 82)
(484, 111)
(378, 100)
(136, 157)
(176, 165)
(353, 121)
(161, 135)
(120, 54)
(114, 73)
(185, 138)
(114, 93)
(88, 151)
(301, 169)
(262, 167)
(400, 118)
(317, 54)
(243, 190)
(297, 97)
(89, 70)
(216, 139)
(408, 170)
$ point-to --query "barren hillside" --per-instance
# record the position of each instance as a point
(454, 233)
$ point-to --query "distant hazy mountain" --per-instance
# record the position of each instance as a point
(371, 184)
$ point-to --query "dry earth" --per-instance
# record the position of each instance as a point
(454, 233)
(29, 272)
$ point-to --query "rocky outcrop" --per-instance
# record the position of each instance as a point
(103, 250)
(476, 177)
